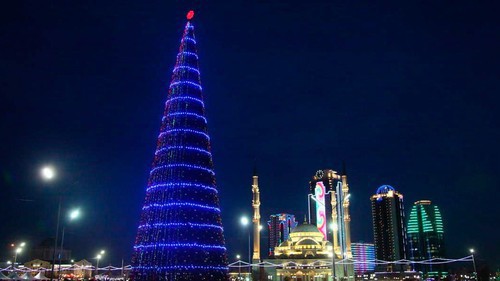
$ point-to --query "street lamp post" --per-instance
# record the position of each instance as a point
(74, 214)
(335, 228)
(48, 174)
(99, 256)
(17, 251)
(239, 266)
(473, 263)
(245, 222)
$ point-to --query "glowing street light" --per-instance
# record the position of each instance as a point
(239, 266)
(98, 258)
(473, 262)
(72, 215)
(17, 251)
(48, 173)
(245, 222)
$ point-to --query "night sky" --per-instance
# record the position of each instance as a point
(405, 93)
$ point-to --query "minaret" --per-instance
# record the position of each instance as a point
(335, 226)
(256, 217)
(347, 217)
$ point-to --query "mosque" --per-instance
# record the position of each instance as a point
(308, 253)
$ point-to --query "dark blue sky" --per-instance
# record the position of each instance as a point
(405, 93)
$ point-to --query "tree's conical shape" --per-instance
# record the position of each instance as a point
(180, 236)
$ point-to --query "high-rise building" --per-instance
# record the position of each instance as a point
(329, 209)
(425, 235)
(180, 235)
(388, 226)
(280, 226)
(364, 255)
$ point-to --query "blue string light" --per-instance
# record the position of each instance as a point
(188, 39)
(185, 53)
(186, 67)
(181, 184)
(186, 83)
(184, 267)
(182, 165)
(173, 224)
(183, 204)
(185, 114)
(184, 131)
(180, 245)
(182, 148)
(184, 98)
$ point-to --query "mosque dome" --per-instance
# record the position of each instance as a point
(305, 228)
(305, 241)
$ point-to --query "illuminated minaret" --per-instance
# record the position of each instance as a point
(256, 217)
(347, 217)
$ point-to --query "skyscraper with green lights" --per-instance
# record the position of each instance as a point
(426, 236)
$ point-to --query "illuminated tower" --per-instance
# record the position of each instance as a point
(388, 226)
(280, 226)
(329, 209)
(425, 234)
(256, 218)
(180, 235)
(347, 216)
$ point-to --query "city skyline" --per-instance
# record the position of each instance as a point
(90, 107)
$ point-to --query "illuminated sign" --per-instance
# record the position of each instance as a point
(319, 193)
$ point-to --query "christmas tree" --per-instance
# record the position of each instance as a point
(180, 235)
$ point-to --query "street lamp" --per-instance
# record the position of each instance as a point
(473, 262)
(98, 257)
(245, 222)
(334, 227)
(17, 251)
(48, 173)
(238, 257)
(73, 214)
